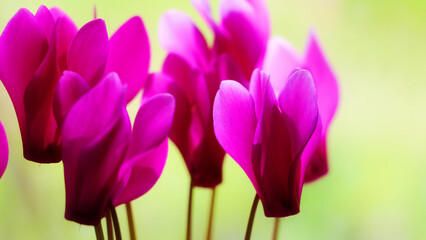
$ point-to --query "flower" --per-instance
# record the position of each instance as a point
(36, 49)
(266, 136)
(4, 150)
(280, 59)
(192, 72)
(105, 162)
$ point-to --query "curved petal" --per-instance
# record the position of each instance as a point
(65, 31)
(234, 122)
(88, 51)
(45, 20)
(140, 173)
(129, 55)
(69, 90)
(324, 78)
(298, 102)
(311, 166)
(229, 70)
(178, 34)
(258, 84)
(280, 60)
(152, 124)
(23, 46)
(4, 150)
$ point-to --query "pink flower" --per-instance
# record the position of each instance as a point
(281, 58)
(267, 135)
(36, 49)
(192, 72)
(4, 150)
(106, 163)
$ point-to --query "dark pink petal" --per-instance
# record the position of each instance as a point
(228, 69)
(298, 102)
(71, 87)
(324, 78)
(312, 166)
(88, 52)
(45, 20)
(23, 46)
(178, 34)
(280, 60)
(129, 55)
(94, 150)
(234, 122)
(4, 150)
(141, 173)
(65, 30)
(245, 41)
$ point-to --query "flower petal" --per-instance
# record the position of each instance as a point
(234, 122)
(228, 69)
(88, 52)
(45, 20)
(4, 150)
(71, 87)
(65, 31)
(298, 102)
(258, 83)
(280, 60)
(140, 173)
(178, 34)
(129, 55)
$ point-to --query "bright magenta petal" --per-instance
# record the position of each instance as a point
(129, 55)
(258, 84)
(234, 121)
(71, 87)
(65, 32)
(46, 21)
(298, 102)
(88, 52)
(280, 60)
(4, 150)
(178, 34)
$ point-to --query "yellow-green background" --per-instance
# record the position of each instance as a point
(377, 143)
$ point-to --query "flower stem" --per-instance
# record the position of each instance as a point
(209, 227)
(110, 230)
(116, 223)
(251, 218)
(188, 223)
(130, 220)
(99, 232)
(276, 228)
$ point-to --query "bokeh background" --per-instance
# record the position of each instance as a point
(376, 187)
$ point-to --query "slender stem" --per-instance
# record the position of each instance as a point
(276, 228)
(251, 218)
(130, 220)
(188, 223)
(209, 228)
(99, 232)
(116, 223)
(110, 230)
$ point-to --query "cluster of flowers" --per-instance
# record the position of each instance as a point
(248, 95)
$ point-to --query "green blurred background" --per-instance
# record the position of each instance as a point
(376, 185)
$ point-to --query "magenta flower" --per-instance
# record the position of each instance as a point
(266, 136)
(192, 72)
(4, 150)
(106, 163)
(281, 58)
(36, 49)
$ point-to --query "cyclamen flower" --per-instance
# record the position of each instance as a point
(4, 150)
(106, 163)
(281, 58)
(266, 136)
(192, 72)
(36, 49)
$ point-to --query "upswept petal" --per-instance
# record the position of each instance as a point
(46, 21)
(234, 122)
(178, 34)
(311, 166)
(129, 55)
(23, 47)
(298, 102)
(244, 42)
(280, 60)
(258, 85)
(65, 31)
(4, 150)
(140, 173)
(318, 166)
(88, 51)
(70, 88)
(325, 80)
